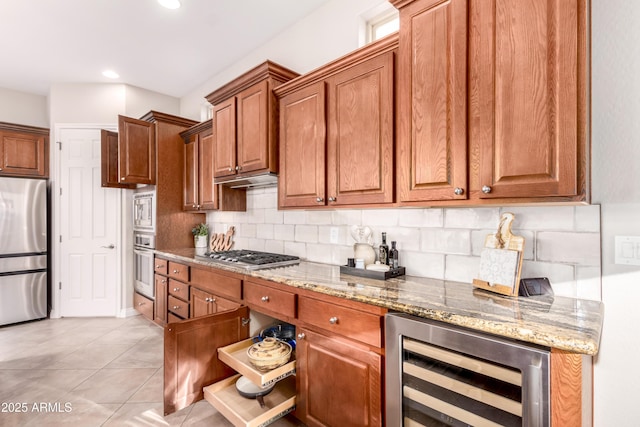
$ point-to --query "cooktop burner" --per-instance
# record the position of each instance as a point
(252, 260)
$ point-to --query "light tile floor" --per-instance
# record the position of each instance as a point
(90, 372)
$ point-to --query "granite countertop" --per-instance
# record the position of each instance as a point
(568, 324)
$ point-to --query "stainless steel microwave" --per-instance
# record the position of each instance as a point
(144, 211)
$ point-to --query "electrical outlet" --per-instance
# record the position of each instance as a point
(628, 250)
(334, 233)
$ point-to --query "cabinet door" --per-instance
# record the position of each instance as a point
(224, 138)
(109, 160)
(302, 148)
(191, 355)
(207, 191)
(432, 93)
(527, 80)
(136, 151)
(360, 133)
(201, 303)
(24, 154)
(160, 305)
(253, 128)
(339, 383)
(191, 171)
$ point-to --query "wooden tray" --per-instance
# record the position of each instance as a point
(507, 247)
(235, 355)
(371, 274)
(244, 412)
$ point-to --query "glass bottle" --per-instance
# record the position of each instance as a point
(383, 250)
(393, 256)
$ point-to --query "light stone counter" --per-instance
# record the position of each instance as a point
(563, 323)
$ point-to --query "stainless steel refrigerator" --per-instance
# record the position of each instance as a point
(23, 249)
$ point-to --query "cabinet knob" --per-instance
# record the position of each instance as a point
(176, 289)
(319, 199)
(193, 206)
(197, 206)
(0, 169)
(212, 300)
(158, 267)
(264, 299)
(207, 299)
(230, 169)
(140, 304)
(332, 199)
(486, 189)
(122, 179)
(163, 281)
(176, 271)
(175, 307)
(238, 168)
(333, 320)
(301, 336)
(458, 191)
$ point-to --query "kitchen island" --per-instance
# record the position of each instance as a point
(562, 323)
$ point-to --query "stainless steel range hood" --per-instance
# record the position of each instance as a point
(253, 181)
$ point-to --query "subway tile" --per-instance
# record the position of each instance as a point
(265, 201)
(295, 217)
(472, 218)
(478, 238)
(432, 217)
(320, 253)
(264, 231)
(422, 264)
(561, 276)
(461, 268)
(255, 244)
(542, 217)
(324, 234)
(340, 254)
(407, 238)
(386, 217)
(588, 218)
(274, 246)
(284, 232)
(246, 230)
(306, 233)
(319, 217)
(273, 216)
(446, 241)
(576, 248)
(346, 217)
(296, 249)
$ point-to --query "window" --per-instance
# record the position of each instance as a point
(381, 22)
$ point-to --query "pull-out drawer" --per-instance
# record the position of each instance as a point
(160, 266)
(179, 271)
(178, 307)
(273, 300)
(144, 305)
(219, 284)
(345, 321)
(179, 289)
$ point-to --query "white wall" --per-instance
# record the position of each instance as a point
(616, 175)
(23, 108)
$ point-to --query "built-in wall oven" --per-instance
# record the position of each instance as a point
(144, 241)
(442, 375)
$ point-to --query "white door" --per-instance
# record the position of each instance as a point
(89, 215)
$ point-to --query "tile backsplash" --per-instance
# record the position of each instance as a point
(561, 242)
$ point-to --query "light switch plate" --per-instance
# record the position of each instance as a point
(333, 235)
(627, 250)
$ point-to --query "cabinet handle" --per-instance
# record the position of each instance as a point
(140, 304)
(332, 199)
(458, 191)
(333, 320)
(198, 207)
(230, 169)
(158, 267)
(163, 281)
(301, 336)
(176, 271)
(265, 299)
(207, 299)
(193, 206)
(486, 189)
(175, 307)
(122, 179)
(176, 289)
(319, 199)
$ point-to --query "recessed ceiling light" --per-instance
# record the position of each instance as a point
(170, 4)
(110, 74)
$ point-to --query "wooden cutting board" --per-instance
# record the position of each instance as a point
(501, 260)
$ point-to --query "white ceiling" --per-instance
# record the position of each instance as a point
(167, 51)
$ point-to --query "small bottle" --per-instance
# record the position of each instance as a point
(393, 256)
(383, 251)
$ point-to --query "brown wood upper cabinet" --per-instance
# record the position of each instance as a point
(200, 192)
(492, 101)
(245, 123)
(136, 151)
(336, 131)
(24, 151)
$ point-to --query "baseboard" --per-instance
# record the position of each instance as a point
(128, 312)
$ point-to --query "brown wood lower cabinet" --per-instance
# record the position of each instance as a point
(339, 382)
(144, 305)
(191, 355)
(160, 305)
(204, 303)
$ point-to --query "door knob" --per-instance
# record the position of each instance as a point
(111, 246)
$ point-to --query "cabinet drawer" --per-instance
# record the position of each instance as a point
(143, 305)
(178, 307)
(179, 271)
(218, 284)
(274, 300)
(172, 318)
(179, 289)
(160, 266)
(354, 324)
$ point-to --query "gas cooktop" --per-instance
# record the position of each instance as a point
(251, 260)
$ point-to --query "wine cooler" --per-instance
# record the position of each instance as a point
(441, 375)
